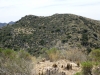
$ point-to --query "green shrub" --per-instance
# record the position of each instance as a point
(53, 54)
(25, 55)
(7, 53)
(87, 68)
(84, 39)
(78, 73)
(69, 36)
(64, 40)
(95, 55)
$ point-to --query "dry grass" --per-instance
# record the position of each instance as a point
(53, 54)
(96, 70)
(15, 63)
(75, 55)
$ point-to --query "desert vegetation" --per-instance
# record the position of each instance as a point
(62, 31)
(52, 63)
(15, 63)
(61, 44)
(92, 65)
(71, 62)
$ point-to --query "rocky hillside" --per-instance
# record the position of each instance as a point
(62, 31)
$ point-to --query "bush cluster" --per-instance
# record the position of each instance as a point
(87, 68)
(15, 63)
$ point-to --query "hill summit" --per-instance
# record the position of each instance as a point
(61, 31)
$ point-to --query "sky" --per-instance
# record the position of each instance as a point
(13, 10)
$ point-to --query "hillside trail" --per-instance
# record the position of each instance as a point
(55, 68)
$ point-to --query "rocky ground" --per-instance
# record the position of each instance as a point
(61, 67)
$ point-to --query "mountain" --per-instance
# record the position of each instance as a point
(4, 24)
(62, 31)
(11, 22)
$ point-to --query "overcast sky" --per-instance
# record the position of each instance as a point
(13, 10)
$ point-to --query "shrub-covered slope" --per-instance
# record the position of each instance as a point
(62, 31)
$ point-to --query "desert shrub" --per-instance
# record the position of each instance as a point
(53, 54)
(69, 66)
(84, 39)
(7, 53)
(95, 55)
(96, 70)
(76, 55)
(57, 30)
(78, 64)
(69, 36)
(87, 68)
(44, 53)
(25, 55)
(42, 42)
(12, 63)
(64, 40)
(54, 65)
(78, 73)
